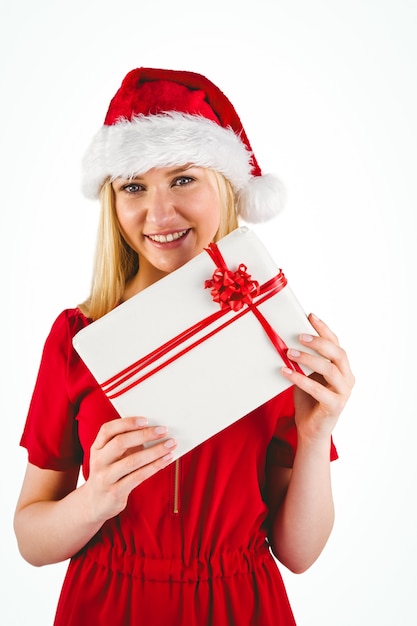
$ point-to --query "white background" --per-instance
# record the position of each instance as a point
(327, 92)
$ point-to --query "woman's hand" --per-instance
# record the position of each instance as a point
(320, 398)
(55, 519)
(120, 461)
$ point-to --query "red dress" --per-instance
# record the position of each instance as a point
(191, 546)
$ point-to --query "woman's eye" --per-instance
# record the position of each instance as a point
(183, 180)
(132, 188)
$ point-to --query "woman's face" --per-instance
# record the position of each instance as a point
(168, 216)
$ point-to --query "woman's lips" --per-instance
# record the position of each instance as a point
(169, 237)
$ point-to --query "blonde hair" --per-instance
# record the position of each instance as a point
(116, 263)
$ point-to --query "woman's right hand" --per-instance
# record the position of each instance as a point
(120, 461)
(54, 519)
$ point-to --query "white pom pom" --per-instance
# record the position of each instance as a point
(262, 199)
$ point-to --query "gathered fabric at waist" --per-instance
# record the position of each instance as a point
(231, 586)
(222, 564)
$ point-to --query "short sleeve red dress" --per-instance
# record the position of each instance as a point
(191, 546)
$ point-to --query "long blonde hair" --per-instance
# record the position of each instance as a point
(116, 263)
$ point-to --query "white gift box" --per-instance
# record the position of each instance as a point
(164, 355)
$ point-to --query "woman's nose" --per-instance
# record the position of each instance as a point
(160, 208)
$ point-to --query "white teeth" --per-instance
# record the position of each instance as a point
(168, 238)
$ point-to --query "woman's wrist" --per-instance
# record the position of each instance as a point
(317, 440)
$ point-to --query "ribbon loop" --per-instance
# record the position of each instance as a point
(232, 290)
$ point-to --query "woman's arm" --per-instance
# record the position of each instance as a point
(304, 519)
(304, 511)
(54, 519)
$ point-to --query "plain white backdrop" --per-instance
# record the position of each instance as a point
(327, 92)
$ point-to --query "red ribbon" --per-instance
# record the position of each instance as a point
(233, 291)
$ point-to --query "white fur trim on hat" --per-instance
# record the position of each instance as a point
(132, 147)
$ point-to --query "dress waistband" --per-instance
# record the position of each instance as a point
(219, 565)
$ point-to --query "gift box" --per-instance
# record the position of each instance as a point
(203, 346)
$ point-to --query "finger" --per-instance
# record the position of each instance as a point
(322, 328)
(337, 375)
(125, 443)
(329, 401)
(328, 374)
(309, 384)
(140, 464)
(140, 475)
(111, 429)
(329, 348)
(324, 366)
(128, 482)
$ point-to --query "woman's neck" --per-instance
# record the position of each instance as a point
(142, 279)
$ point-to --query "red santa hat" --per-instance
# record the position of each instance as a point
(164, 118)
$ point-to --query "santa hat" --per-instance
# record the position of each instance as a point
(164, 118)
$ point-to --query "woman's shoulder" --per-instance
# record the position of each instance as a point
(67, 324)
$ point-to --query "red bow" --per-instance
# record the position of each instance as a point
(232, 290)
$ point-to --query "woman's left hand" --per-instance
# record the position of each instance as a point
(320, 398)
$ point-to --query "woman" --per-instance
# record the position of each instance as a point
(153, 542)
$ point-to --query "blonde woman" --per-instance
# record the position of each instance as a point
(150, 541)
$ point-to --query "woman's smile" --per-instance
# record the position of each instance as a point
(168, 237)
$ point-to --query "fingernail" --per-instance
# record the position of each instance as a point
(306, 338)
(141, 421)
(168, 457)
(170, 443)
(317, 319)
(160, 430)
(292, 352)
(287, 370)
